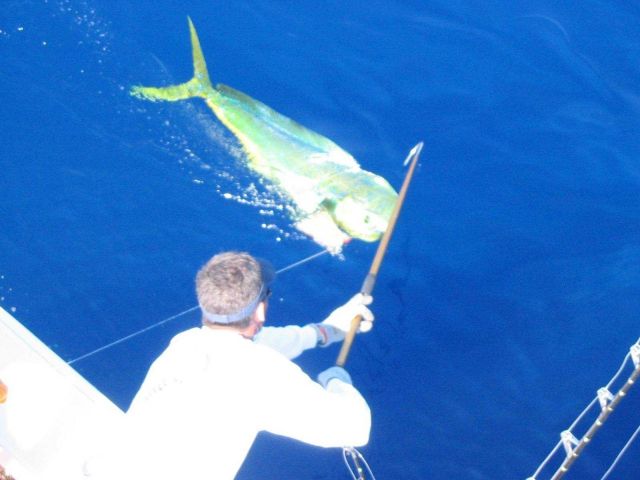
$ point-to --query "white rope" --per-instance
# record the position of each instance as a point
(546, 461)
(622, 452)
(356, 471)
(620, 370)
(580, 417)
(607, 407)
(189, 310)
(570, 429)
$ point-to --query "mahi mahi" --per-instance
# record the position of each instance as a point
(334, 198)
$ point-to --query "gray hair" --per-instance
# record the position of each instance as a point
(228, 283)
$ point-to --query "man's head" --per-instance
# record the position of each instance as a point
(231, 287)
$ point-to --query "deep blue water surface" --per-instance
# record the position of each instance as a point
(511, 290)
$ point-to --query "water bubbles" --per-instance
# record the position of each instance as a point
(3, 297)
(95, 30)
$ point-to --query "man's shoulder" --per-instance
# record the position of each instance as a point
(186, 335)
(228, 347)
(186, 339)
(222, 341)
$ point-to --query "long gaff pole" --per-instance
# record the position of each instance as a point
(370, 280)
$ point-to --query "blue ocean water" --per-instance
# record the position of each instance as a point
(510, 292)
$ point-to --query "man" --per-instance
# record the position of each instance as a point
(215, 387)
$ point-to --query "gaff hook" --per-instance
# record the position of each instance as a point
(370, 280)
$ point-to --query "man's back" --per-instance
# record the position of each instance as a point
(207, 396)
(192, 413)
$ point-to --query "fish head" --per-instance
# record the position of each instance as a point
(365, 211)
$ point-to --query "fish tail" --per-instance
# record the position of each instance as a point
(199, 85)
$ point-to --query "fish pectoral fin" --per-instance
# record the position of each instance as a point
(323, 230)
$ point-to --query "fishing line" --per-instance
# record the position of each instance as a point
(128, 337)
(300, 262)
(189, 310)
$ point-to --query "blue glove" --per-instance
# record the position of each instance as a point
(333, 372)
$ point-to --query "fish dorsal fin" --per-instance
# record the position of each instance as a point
(239, 96)
(286, 125)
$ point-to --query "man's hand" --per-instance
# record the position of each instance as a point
(334, 372)
(342, 316)
(335, 326)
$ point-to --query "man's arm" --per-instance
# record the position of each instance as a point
(292, 340)
(298, 407)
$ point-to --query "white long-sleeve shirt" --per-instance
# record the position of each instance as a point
(290, 341)
(208, 395)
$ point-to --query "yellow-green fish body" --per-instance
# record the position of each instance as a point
(335, 199)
